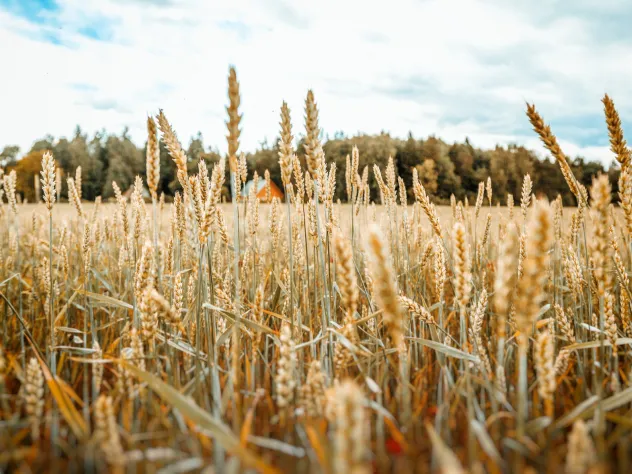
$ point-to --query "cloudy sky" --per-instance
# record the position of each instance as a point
(452, 68)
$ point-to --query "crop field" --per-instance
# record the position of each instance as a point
(65, 213)
(305, 335)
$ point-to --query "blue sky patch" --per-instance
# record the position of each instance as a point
(51, 36)
(102, 32)
(584, 130)
(45, 13)
(36, 11)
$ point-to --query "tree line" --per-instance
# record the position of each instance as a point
(443, 168)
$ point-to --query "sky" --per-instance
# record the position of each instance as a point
(449, 68)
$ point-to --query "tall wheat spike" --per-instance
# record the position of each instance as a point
(153, 158)
(234, 118)
(618, 144)
(175, 149)
(550, 142)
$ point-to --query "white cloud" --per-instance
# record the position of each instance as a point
(452, 68)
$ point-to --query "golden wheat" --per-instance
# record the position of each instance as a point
(378, 336)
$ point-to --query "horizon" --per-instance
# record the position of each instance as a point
(539, 151)
(466, 70)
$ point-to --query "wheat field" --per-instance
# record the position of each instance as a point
(313, 336)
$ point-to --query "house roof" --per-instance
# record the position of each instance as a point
(246, 189)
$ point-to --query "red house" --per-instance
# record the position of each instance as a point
(275, 191)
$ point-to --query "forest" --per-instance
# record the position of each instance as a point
(443, 168)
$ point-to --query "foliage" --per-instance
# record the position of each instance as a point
(26, 169)
(444, 168)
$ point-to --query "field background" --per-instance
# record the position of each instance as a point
(65, 212)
